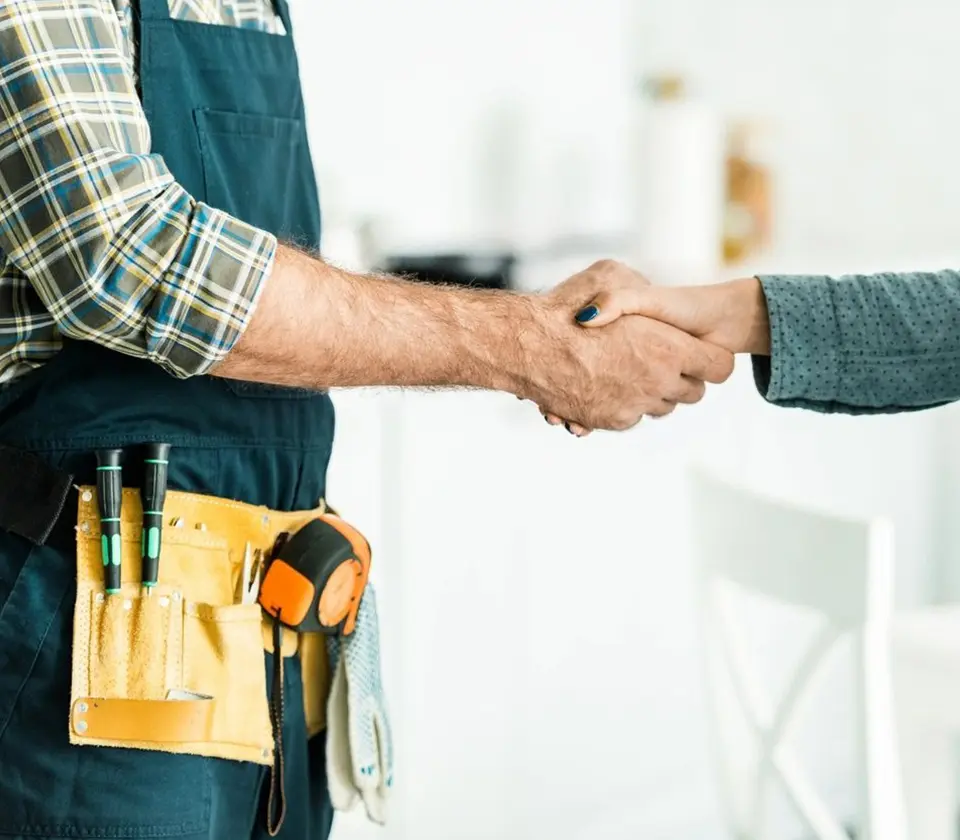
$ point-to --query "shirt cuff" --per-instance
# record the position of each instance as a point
(804, 362)
(210, 291)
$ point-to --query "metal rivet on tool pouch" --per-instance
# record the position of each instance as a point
(201, 526)
(81, 726)
(99, 598)
(177, 522)
(81, 707)
(164, 601)
(128, 604)
(266, 520)
(86, 495)
(175, 596)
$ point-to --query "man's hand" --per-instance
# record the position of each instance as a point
(636, 366)
(732, 315)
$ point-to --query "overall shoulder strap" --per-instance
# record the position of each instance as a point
(151, 9)
(284, 13)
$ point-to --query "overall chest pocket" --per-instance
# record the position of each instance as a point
(258, 168)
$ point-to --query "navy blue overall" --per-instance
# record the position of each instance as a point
(226, 114)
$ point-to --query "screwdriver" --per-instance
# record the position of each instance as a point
(152, 497)
(109, 498)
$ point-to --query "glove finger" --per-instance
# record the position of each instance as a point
(343, 793)
(375, 805)
(380, 779)
(384, 748)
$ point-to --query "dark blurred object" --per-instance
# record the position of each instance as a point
(485, 271)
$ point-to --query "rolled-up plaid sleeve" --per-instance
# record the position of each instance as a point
(118, 252)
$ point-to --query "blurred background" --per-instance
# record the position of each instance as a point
(541, 636)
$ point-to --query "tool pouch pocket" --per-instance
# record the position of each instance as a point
(180, 670)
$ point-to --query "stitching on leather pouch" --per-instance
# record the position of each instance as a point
(174, 675)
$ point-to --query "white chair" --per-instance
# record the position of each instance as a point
(841, 570)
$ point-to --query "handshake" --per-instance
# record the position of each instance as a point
(610, 348)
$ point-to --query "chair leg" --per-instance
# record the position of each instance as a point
(884, 806)
(927, 764)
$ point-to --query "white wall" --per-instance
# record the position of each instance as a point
(502, 700)
(862, 97)
(403, 96)
(859, 93)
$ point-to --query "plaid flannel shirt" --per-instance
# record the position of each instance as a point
(98, 242)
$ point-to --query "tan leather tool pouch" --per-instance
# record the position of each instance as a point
(180, 669)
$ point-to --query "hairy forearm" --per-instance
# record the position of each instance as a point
(319, 327)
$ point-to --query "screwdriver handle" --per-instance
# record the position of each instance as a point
(152, 497)
(109, 498)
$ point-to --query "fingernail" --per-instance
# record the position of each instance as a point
(588, 313)
(567, 427)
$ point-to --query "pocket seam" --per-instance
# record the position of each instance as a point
(233, 123)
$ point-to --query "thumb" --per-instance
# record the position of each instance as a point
(684, 307)
(609, 305)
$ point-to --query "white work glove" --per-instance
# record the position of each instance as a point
(359, 742)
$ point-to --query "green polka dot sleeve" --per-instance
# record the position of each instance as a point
(862, 344)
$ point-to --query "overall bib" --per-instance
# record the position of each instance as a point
(226, 114)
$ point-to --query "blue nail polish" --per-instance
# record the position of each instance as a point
(588, 313)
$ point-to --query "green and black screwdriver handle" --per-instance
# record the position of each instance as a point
(152, 496)
(109, 498)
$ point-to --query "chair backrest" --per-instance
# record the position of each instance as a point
(839, 568)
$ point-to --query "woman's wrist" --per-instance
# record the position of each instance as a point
(750, 312)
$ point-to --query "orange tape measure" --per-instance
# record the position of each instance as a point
(317, 576)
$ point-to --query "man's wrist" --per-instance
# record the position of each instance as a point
(495, 339)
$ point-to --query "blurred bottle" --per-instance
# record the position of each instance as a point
(747, 207)
(680, 183)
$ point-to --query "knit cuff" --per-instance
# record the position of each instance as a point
(804, 361)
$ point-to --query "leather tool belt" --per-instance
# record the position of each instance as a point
(181, 670)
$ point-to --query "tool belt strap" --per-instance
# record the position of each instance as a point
(158, 721)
